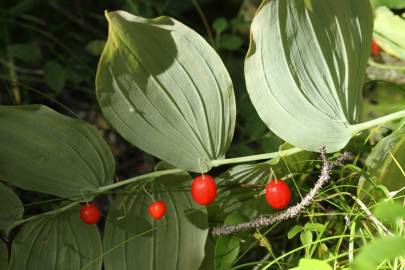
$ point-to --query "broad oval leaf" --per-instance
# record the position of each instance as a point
(11, 208)
(57, 242)
(44, 151)
(166, 90)
(305, 67)
(132, 240)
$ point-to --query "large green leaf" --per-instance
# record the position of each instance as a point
(132, 240)
(305, 66)
(11, 208)
(45, 151)
(57, 242)
(381, 163)
(166, 90)
(387, 247)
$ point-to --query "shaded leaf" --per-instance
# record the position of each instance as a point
(25, 52)
(95, 47)
(57, 242)
(44, 151)
(11, 208)
(226, 251)
(387, 247)
(172, 243)
(166, 90)
(230, 42)
(382, 165)
(304, 69)
(220, 25)
(3, 256)
(55, 76)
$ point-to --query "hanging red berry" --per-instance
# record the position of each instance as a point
(89, 213)
(278, 194)
(375, 49)
(204, 189)
(157, 209)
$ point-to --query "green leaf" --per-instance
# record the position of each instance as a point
(132, 240)
(236, 218)
(220, 25)
(396, 4)
(390, 211)
(3, 256)
(61, 241)
(230, 42)
(166, 90)
(226, 251)
(305, 66)
(294, 231)
(95, 47)
(314, 227)
(55, 76)
(382, 165)
(306, 237)
(44, 151)
(25, 52)
(311, 264)
(384, 98)
(11, 208)
(389, 32)
(384, 248)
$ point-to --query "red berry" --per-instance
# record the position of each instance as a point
(278, 194)
(204, 189)
(375, 49)
(90, 214)
(157, 209)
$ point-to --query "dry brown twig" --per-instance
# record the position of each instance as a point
(265, 221)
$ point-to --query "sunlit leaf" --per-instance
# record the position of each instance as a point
(311, 264)
(387, 247)
(389, 32)
(389, 211)
(305, 68)
(166, 90)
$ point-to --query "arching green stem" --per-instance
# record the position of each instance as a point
(356, 129)
(220, 162)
